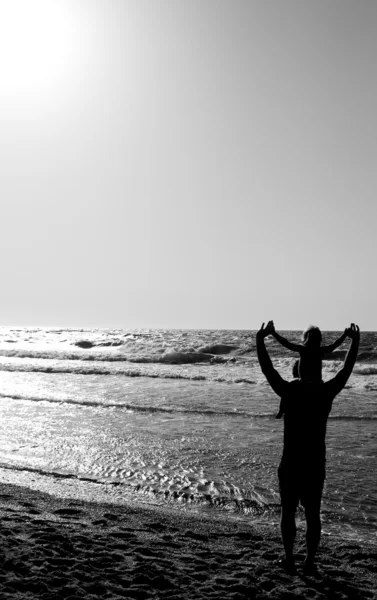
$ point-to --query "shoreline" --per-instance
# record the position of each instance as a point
(54, 547)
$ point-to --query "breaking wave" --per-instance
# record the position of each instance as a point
(359, 368)
(161, 371)
(94, 370)
(176, 357)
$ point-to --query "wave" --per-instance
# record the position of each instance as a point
(170, 410)
(94, 370)
(63, 355)
(210, 354)
(359, 368)
(353, 418)
(367, 356)
(181, 357)
(130, 372)
(135, 407)
(173, 358)
(365, 369)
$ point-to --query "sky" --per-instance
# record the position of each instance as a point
(188, 163)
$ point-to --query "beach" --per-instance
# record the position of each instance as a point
(53, 548)
(129, 468)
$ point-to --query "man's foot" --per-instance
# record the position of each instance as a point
(310, 567)
(288, 564)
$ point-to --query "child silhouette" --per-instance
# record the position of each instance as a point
(311, 354)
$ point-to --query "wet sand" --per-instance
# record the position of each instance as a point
(53, 548)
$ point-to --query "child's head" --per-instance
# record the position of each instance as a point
(312, 336)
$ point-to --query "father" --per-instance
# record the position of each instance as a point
(302, 467)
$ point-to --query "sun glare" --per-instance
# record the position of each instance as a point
(39, 47)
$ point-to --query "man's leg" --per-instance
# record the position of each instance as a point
(312, 504)
(288, 531)
(289, 503)
(313, 533)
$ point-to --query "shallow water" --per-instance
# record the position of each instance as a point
(203, 435)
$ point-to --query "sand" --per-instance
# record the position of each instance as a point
(55, 548)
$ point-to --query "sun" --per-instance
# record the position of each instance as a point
(39, 47)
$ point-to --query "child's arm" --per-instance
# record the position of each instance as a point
(290, 345)
(331, 347)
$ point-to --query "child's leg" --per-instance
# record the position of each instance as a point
(281, 409)
(310, 368)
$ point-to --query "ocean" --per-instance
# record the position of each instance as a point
(181, 418)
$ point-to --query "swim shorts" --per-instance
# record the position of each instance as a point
(301, 483)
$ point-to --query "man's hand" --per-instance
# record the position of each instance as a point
(278, 384)
(338, 382)
(353, 332)
(265, 331)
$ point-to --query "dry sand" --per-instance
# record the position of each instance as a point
(53, 548)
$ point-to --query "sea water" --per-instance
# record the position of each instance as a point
(182, 417)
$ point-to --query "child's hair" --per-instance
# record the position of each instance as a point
(312, 333)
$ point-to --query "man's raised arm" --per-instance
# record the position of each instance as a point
(338, 382)
(278, 384)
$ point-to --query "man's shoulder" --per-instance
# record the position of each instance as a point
(292, 387)
(332, 388)
(301, 387)
(305, 384)
(294, 383)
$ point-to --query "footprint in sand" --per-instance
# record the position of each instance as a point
(157, 526)
(68, 512)
(111, 517)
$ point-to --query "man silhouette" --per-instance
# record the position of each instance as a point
(302, 467)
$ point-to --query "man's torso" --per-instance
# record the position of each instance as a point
(307, 407)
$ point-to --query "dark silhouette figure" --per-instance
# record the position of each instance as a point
(301, 470)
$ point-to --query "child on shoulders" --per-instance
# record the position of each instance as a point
(311, 355)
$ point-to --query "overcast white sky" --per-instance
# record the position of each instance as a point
(188, 163)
